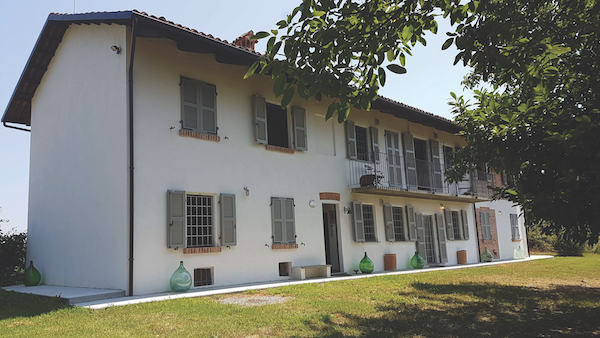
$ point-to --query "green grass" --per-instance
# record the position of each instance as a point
(547, 298)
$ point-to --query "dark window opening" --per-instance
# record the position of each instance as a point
(423, 165)
(277, 127)
(284, 268)
(202, 277)
(398, 221)
(362, 148)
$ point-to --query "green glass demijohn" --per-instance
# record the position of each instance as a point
(519, 253)
(486, 255)
(32, 276)
(181, 280)
(366, 264)
(417, 261)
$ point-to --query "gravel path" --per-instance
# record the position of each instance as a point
(254, 300)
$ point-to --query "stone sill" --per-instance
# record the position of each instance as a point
(202, 250)
(516, 240)
(284, 246)
(199, 136)
(279, 149)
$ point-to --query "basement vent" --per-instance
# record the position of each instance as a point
(284, 268)
(203, 277)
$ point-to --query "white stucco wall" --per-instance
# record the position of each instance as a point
(506, 244)
(77, 231)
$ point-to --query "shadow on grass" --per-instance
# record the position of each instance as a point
(476, 310)
(14, 304)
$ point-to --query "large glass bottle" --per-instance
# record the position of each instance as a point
(366, 264)
(181, 280)
(417, 261)
(32, 276)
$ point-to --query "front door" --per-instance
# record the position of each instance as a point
(330, 231)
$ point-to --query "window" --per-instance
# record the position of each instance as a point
(514, 226)
(394, 223)
(364, 223)
(191, 220)
(360, 147)
(198, 106)
(271, 125)
(368, 223)
(282, 216)
(486, 227)
(202, 277)
(456, 224)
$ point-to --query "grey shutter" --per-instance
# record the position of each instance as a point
(514, 226)
(465, 224)
(389, 223)
(259, 106)
(190, 107)
(394, 158)
(437, 165)
(442, 238)
(350, 140)
(412, 227)
(375, 143)
(420, 233)
(176, 224)
(277, 219)
(209, 108)
(290, 226)
(411, 162)
(359, 230)
(299, 120)
(228, 222)
(449, 225)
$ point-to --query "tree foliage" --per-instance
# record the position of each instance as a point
(539, 122)
(13, 248)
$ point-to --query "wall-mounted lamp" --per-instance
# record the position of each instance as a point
(381, 201)
(116, 48)
(247, 191)
(442, 206)
(303, 244)
(376, 122)
(500, 212)
(267, 245)
(347, 211)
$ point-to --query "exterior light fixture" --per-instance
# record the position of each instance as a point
(247, 191)
(442, 206)
(116, 48)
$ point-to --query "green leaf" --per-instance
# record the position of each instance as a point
(343, 113)
(447, 44)
(259, 35)
(402, 59)
(274, 31)
(396, 68)
(281, 23)
(278, 85)
(251, 70)
(331, 110)
(407, 32)
(381, 73)
(512, 192)
(318, 13)
(287, 97)
(390, 55)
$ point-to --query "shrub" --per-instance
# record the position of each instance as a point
(567, 247)
(13, 247)
(538, 242)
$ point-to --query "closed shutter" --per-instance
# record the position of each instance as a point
(350, 140)
(176, 224)
(359, 231)
(259, 106)
(442, 238)
(299, 119)
(485, 225)
(465, 224)
(190, 107)
(389, 223)
(420, 234)
(209, 108)
(411, 162)
(375, 143)
(514, 226)
(290, 226)
(228, 222)
(277, 219)
(412, 226)
(437, 165)
(449, 225)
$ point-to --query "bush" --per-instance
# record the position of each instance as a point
(567, 247)
(538, 242)
(595, 249)
(13, 247)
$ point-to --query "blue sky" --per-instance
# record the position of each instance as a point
(427, 84)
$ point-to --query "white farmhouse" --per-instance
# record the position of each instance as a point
(148, 148)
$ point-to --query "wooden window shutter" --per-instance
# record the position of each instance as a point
(420, 230)
(437, 165)
(357, 215)
(190, 105)
(465, 224)
(277, 219)
(176, 223)
(514, 226)
(290, 226)
(228, 220)
(412, 226)
(351, 140)
(209, 108)
(411, 162)
(299, 120)
(375, 143)
(259, 106)
(389, 223)
(449, 225)
(442, 237)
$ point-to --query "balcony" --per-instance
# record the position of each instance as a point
(393, 175)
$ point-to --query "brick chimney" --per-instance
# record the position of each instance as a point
(244, 40)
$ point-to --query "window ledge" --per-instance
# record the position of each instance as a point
(516, 240)
(279, 149)
(284, 246)
(202, 250)
(199, 136)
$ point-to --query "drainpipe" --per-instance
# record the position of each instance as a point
(476, 233)
(17, 128)
(131, 167)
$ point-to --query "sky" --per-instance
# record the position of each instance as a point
(427, 84)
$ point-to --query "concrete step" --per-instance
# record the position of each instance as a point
(69, 295)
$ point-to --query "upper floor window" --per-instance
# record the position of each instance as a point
(271, 125)
(198, 106)
(359, 145)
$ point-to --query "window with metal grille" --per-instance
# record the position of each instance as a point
(398, 220)
(456, 225)
(199, 221)
(202, 277)
(368, 223)
(362, 147)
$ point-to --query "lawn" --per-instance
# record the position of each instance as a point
(557, 297)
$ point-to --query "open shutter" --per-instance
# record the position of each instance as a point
(514, 226)
(420, 233)
(277, 219)
(375, 143)
(411, 162)
(412, 226)
(209, 108)
(350, 140)
(465, 224)
(389, 223)
(299, 120)
(190, 107)
(437, 165)
(228, 225)
(176, 234)
(290, 226)
(359, 230)
(442, 238)
(259, 105)
(449, 224)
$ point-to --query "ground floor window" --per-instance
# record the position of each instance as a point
(199, 220)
